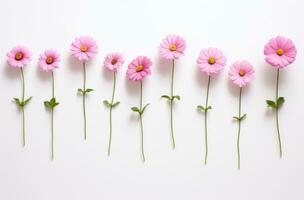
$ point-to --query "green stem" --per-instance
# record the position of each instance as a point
(277, 113)
(83, 102)
(52, 117)
(171, 105)
(141, 125)
(22, 108)
(239, 130)
(112, 101)
(206, 128)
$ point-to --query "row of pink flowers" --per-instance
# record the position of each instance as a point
(279, 53)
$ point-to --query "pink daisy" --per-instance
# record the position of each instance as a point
(241, 73)
(84, 48)
(49, 60)
(172, 47)
(113, 61)
(211, 61)
(280, 52)
(139, 68)
(19, 57)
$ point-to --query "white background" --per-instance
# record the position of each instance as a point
(82, 169)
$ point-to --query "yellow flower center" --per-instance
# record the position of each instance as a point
(173, 47)
(19, 56)
(211, 61)
(49, 60)
(84, 49)
(114, 61)
(242, 72)
(139, 68)
(280, 52)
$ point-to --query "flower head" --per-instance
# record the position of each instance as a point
(172, 47)
(49, 60)
(19, 57)
(241, 73)
(280, 52)
(211, 61)
(84, 48)
(113, 61)
(139, 68)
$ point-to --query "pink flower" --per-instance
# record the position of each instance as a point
(172, 47)
(139, 68)
(241, 73)
(84, 48)
(19, 57)
(211, 61)
(49, 60)
(113, 61)
(280, 52)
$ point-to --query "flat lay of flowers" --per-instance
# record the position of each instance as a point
(279, 53)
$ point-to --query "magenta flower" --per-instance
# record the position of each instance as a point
(84, 48)
(172, 47)
(19, 57)
(138, 69)
(112, 62)
(210, 61)
(280, 52)
(241, 73)
(48, 62)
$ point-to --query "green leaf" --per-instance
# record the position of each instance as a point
(27, 100)
(236, 118)
(80, 90)
(47, 104)
(17, 101)
(166, 97)
(240, 118)
(51, 103)
(271, 104)
(243, 117)
(106, 103)
(52, 100)
(209, 108)
(144, 108)
(116, 104)
(88, 90)
(200, 107)
(135, 109)
(280, 101)
(176, 97)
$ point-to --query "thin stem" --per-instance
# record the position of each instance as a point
(141, 125)
(206, 128)
(277, 113)
(239, 130)
(52, 132)
(171, 105)
(83, 102)
(112, 101)
(22, 108)
(52, 116)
